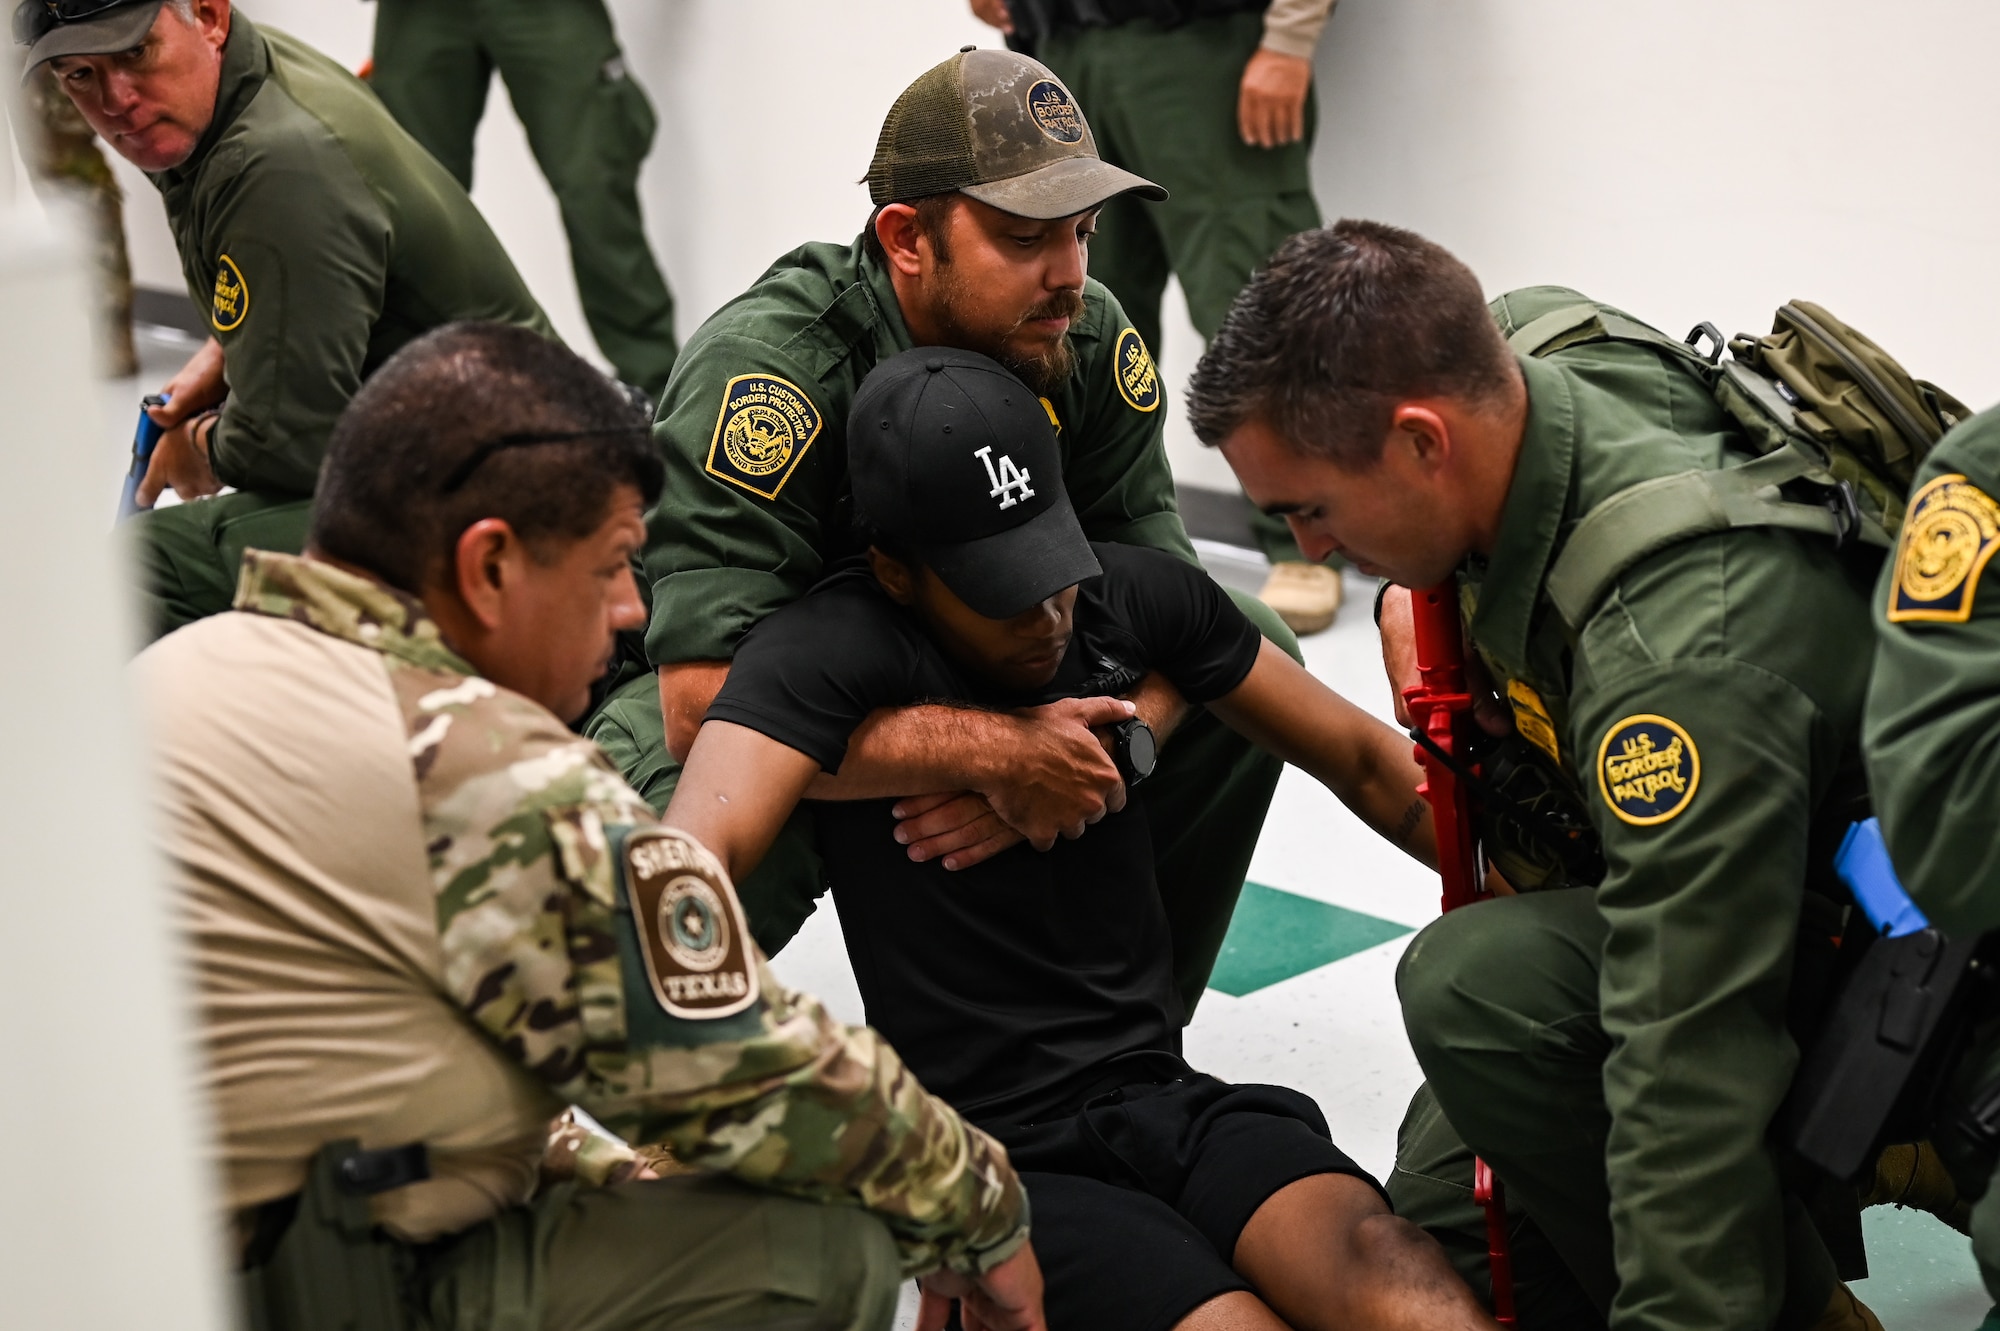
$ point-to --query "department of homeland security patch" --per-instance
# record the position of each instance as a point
(1138, 379)
(1648, 769)
(1054, 111)
(764, 428)
(232, 296)
(691, 930)
(1949, 534)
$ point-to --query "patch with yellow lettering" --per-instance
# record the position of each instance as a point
(1054, 111)
(691, 929)
(1532, 719)
(1138, 378)
(765, 426)
(232, 296)
(1054, 419)
(1648, 769)
(1949, 533)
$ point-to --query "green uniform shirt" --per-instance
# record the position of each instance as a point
(320, 238)
(1934, 704)
(754, 432)
(1704, 710)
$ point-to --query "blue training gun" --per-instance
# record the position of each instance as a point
(144, 440)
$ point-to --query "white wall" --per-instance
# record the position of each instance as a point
(1704, 159)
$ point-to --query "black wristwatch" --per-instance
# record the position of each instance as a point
(1134, 750)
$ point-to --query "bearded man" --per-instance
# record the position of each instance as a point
(987, 185)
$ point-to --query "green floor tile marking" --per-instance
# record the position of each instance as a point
(1921, 1276)
(1276, 935)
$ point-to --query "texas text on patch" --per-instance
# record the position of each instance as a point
(1138, 379)
(764, 428)
(232, 296)
(1950, 531)
(1647, 769)
(691, 930)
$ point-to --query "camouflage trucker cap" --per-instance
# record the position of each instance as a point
(1002, 129)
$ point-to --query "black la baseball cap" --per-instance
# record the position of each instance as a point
(54, 28)
(955, 457)
(1000, 128)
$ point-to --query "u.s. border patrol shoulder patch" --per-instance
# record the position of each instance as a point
(232, 296)
(765, 426)
(1138, 378)
(1054, 111)
(1648, 769)
(1949, 533)
(691, 929)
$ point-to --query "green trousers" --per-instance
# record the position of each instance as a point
(1162, 102)
(1205, 805)
(589, 126)
(688, 1252)
(188, 554)
(1501, 1004)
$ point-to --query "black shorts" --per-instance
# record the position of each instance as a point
(1138, 1197)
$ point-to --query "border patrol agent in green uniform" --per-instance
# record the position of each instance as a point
(1615, 1054)
(757, 499)
(1933, 708)
(1179, 92)
(316, 234)
(589, 125)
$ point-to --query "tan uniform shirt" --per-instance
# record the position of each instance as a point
(1292, 27)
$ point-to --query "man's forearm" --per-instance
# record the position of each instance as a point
(900, 751)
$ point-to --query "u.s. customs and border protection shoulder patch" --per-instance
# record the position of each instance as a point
(1648, 769)
(232, 296)
(1950, 531)
(691, 929)
(1054, 111)
(764, 428)
(1138, 378)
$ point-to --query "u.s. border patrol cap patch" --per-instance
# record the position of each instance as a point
(1138, 379)
(765, 426)
(1054, 111)
(1648, 769)
(232, 296)
(1949, 533)
(691, 929)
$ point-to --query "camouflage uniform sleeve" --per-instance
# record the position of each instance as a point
(610, 957)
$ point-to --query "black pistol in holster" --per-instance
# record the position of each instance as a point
(1890, 1062)
(317, 1262)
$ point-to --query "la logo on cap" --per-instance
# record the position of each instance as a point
(1006, 480)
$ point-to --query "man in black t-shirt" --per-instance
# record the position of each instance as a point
(1033, 989)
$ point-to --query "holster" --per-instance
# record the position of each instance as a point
(317, 1262)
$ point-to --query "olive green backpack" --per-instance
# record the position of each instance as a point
(1838, 425)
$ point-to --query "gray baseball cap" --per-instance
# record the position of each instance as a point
(55, 28)
(1002, 129)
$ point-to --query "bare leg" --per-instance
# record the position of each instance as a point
(1326, 1253)
(1236, 1311)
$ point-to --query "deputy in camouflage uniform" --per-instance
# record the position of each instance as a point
(986, 183)
(1932, 711)
(589, 126)
(1213, 99)
(1616, 1053)
(420, 909)
(65, 160)
(317, 236)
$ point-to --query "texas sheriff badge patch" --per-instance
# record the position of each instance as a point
(1647, 769)
(764, 428)
(691, 930)
(1949, 534)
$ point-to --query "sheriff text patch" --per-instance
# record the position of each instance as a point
(691, 930)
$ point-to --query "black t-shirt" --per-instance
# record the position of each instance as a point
(1005, 985)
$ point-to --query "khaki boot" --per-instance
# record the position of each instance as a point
(1912, 1175)
(1306, 596)
(1844, 1312)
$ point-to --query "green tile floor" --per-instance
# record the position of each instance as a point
(1275, 935)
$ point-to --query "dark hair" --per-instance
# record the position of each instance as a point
(473, 421)
(933, 220)
(1342, 325)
